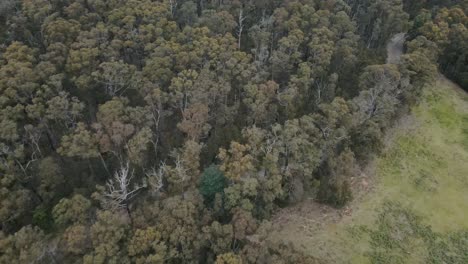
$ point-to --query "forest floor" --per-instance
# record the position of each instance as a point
(411, 203)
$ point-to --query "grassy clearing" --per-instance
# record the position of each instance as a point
(421, 183)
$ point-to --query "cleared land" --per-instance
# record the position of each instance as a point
(411, 204)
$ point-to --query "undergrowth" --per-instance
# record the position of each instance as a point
(400, 235)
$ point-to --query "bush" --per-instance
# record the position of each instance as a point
(211, 183)
(42, 218)
(335, 189)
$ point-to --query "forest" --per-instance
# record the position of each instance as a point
(170, 131)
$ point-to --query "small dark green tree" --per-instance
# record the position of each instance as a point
(335, 188)
(211, 183)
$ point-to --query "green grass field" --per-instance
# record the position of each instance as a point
(417, 210)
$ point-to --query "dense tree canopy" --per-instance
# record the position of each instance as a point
(169, 131)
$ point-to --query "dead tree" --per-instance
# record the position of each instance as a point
(240, 26)
(119, 190)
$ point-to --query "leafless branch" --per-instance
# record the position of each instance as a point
(155, 177)
(119, 189)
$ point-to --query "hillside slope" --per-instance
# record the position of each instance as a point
(422, 175)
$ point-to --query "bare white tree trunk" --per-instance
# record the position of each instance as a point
(172, 6)
(240, 26)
